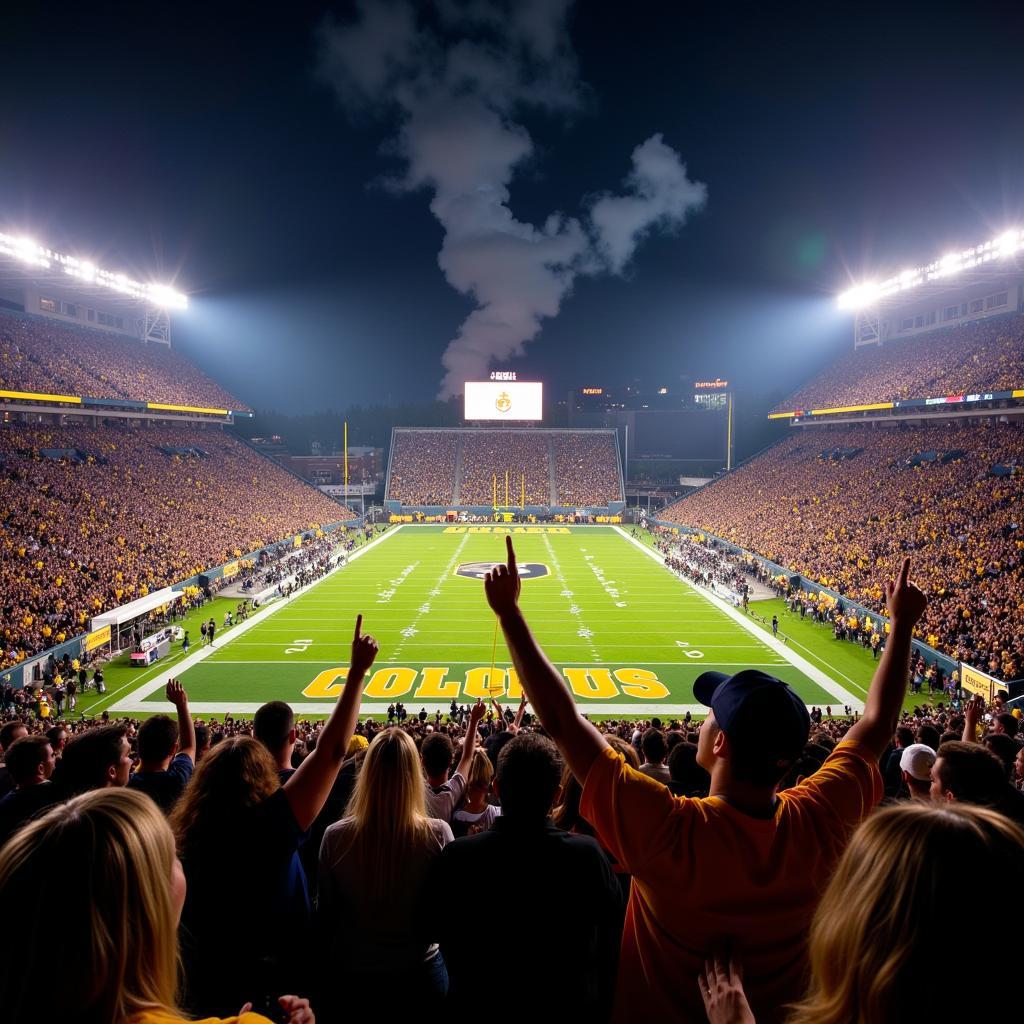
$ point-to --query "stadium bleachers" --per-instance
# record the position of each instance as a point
(423, 467)
(107, 516)
(461, 467)
(842, 506)
(44, 356)
(489, 454)
(975, 358)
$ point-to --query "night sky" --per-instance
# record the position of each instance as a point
(205, 143)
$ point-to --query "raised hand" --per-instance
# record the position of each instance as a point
(298, 1010)
(175, 693)
(364, 651)
(721, 988)
(501, 584)
(906, 603)
(476, 712)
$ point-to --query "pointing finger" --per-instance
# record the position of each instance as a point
(359, 627)
(904, 571)
(511, 552)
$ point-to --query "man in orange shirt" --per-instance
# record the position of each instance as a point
(743, 867)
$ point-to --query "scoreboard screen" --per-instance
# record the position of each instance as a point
(512, 400)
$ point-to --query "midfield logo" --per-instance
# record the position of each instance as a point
(477, 570)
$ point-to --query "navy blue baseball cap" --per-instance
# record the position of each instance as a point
(763, 718)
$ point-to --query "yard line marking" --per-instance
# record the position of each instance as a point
(584, 633)
(135, 698)
(424, 608)
(797, 661)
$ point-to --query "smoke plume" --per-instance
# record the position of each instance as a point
(453, 75)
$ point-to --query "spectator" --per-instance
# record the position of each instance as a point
(690, 889)
(238, 830)
(970, 773)
(475, 814)
(872, 939)
(372, 868)
(687, 777)
(655, 750)
(916, 762)
(274, 726)
(30, 761)
(58, 737)
(167, 752)
(444, 794)
(96, 759)
(10, 733)
(569, 876)
(202, 740)
(115, 945)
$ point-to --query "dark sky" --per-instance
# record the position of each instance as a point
(173, 138)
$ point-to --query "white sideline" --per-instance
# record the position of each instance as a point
(828, 684)
(135, 701)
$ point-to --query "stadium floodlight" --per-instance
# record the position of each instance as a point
(29, 251)
(25, 249)
(952, 263)
(165, 297)
(859, 296)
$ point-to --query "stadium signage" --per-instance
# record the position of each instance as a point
(506, 529)
(503, 374)
(478, 570)
(592, 391)
(394, 682)
(708, 385)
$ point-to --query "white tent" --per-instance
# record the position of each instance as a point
(127, 612)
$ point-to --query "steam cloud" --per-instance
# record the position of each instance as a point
(455, 73)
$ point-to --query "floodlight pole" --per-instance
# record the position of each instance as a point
(867, 327)
(156, 325)
(728, 431)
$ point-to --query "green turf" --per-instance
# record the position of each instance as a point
(628, 635)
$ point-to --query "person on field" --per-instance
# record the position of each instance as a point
(748, 862)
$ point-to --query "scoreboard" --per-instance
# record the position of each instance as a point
(503, 399)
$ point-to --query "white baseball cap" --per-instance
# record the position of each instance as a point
(917, 760)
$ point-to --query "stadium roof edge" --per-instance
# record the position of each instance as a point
(38, 261)
(944, 271)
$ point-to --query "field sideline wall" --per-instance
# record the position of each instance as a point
(948, 664)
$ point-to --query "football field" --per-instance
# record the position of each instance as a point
(627, 634)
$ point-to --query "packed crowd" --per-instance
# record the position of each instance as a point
(978, 357)
(523, 455)
(700, 562)
(44, 356)
(309, 562)
(424, 465)
(737, 871)
(843, 523)
(80, 535)
(422, 470)
(586, 469)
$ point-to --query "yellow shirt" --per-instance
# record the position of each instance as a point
(705, 875)
(162, 1017)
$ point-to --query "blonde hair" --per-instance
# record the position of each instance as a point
(387, 809)
(235, 775)
(114, 951)
(872, 951)
(481, 771)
